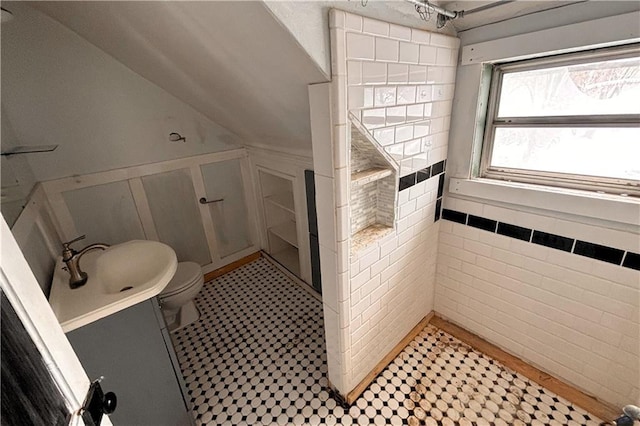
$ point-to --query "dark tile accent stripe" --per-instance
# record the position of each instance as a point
(632, 260)
(407, 181)
(552, 240)
(437, 168)
(596, 251)
(454, 216)
(421, 175)
(482, 223)
(440, 185)
(514, 231)
(424, 174)
(616, 256)
(438, 208)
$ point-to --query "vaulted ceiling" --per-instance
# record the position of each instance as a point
(232, 61)
(246, 65)
(243, 64)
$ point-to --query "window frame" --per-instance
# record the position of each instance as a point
(554, 179)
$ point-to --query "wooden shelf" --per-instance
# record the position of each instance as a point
(369, 175)
(289, 259)
(287, 232)
(284, 200)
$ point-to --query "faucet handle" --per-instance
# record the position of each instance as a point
(67, 244)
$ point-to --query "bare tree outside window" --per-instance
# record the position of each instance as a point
(567, 117)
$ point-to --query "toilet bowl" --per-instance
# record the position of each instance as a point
(176, 300)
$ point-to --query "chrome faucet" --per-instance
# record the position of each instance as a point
(72, 259)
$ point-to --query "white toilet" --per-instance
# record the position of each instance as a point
(176, 299)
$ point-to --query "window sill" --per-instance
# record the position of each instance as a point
(610, 208)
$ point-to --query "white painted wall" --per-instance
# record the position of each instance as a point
(17, 177)
(36, 235)
(230, 60)
(57, 88)
(572, 316)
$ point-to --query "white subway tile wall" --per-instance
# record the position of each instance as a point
(387, 287)
(575, 317)
(394, 83)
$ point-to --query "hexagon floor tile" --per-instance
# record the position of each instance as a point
(257, 356)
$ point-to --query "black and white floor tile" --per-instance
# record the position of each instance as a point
(257, 357)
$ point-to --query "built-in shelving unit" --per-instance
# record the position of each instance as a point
(373, 191)
(283, 200)
(280, 219)
(286, 231)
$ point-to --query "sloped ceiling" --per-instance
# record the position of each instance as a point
(246, 64)
(232, 61)
(243, 64)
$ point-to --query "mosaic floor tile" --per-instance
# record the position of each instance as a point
(257, 357)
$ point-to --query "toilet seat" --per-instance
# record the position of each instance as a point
(187, 275)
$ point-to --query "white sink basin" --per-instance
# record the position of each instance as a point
(119, 277)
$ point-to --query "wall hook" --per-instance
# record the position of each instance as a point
(176, 137)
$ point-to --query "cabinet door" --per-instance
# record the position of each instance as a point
(223, 181)
(128, 348)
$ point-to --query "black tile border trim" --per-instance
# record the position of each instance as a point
(514, 231)
(482, 223)
(632, 260)
(607, 254)
(596, 251)
(551, 240)
(421, 175)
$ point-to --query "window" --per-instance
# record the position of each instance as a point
(567, 120)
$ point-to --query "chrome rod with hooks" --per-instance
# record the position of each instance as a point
(448, 13)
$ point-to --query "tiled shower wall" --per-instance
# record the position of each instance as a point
(400, 87)
(571, 315)
(373, 298)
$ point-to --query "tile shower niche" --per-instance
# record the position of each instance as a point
(373, 190)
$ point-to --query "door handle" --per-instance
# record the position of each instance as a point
(203, 200)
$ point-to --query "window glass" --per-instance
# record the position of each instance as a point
(592, 151)
(603, 87)
(567, 120)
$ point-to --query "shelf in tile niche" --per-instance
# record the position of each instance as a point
(286, 231)
(368, 236)
(373, 189)
(288, 258)
(284, 200)
(364, 177)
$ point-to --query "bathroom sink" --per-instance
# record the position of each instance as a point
(119, 277)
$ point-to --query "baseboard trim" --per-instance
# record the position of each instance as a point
(369, 378)
(230, 267)
(603, 410)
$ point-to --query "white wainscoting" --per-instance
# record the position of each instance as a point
(66, 226)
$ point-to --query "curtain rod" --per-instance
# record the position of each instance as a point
(448, 13)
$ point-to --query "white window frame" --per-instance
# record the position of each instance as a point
(553, 179)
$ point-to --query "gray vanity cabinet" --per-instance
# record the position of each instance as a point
(133, 351)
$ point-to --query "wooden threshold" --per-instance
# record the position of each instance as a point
(592, 405)
(230, 267)
(369, 378)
